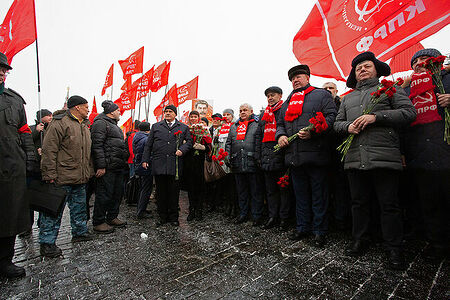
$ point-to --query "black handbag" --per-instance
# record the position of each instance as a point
(45, 197)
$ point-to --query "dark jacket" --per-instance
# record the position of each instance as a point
(108, 144)
(316, 150)
(378, 145)
(37, 137)
(242, 152)
(16, 147)
(162, 144)
(139, 141)
(423, 144)
(266, 158)
(66, 151)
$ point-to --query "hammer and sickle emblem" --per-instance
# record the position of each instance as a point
(364, 12)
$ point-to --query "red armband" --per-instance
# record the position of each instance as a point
(24, 129)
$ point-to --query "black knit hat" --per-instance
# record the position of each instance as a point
(109, 106)
(273, 89)
(144, 126)
(382, 68)
(75, 100)
(172, 108)
(300, 69)
(42, 113)
(4, 61)
(425, 52)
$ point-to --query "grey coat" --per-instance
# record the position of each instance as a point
(378, 145)
(242, 152)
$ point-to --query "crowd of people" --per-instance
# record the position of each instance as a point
(268, 167)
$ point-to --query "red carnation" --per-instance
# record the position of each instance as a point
(178, 132)
(221, 163)
(214, 157)
(400, 81)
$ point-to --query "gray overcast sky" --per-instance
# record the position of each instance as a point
(238, 48)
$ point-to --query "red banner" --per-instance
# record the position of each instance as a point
(160, 76)
(18, 29)
(127, 84)
(128, 99)
(188, 91)
(338, 30)
(133, 63)
(109, 79)
(143, 83)
(93, 112)
(402, 61)
(170, 98)
(126, 127)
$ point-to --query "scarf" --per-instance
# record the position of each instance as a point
(242, 129)
(271, 125)
(295, 107)
(423, 98)
(224, 130)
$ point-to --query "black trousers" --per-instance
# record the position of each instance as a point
(167, 195)
(384, 183)
(6, 250)
(108, 195)
(146, 191)
(277, 197)
(250, 196)
(434, 198)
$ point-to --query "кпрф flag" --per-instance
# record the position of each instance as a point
(338, 30)
(18, 29)
(133, 63)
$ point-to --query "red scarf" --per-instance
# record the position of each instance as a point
(295, 107)
(242, 129)
(271, 125)
(225, 129)
(424, 99)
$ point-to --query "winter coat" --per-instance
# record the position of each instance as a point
(139, 141)
(108, 144)
(37, 141)
(266, 158)
(17, 152)
(423, 144)
(242, 152)
(162, 144)
(316, 150)
(377, 146)
(66, 151)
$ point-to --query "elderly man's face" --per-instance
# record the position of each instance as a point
(416, 64)
(169, 115)
(273, 98)
(83, 110)
(47, 119)
(202, 109)
(331, 88)
(228, 116)
(245, 112)
(365, 70)
(216, 122)
(3, 73)
(299, 81)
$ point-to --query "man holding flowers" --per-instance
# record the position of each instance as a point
(307, 151)
(169, 140)
(371, 114)
(426, 151)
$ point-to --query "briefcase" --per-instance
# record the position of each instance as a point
(46, 197)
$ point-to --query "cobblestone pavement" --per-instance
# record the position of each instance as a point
(215, 259)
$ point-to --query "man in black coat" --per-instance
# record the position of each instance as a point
(309, 155)
(110, 154)
(17, 157)
(272, 163)
(169, 140)
(427, 154)
(241, 146)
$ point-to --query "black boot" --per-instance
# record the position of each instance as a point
(10, 270)
(272, 222)
(356, 248)
(50, 250)
(191, 215)
(396, 260)
(284, 225)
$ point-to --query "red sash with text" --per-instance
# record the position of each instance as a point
(424, 99)
(295, 107)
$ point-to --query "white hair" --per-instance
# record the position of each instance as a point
(246, 104)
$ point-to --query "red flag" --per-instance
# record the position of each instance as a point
(18, 29)
(170, 98)
(93, 112)
(143, 83)
(133, 63)
(128, 99)
(127, 126)
(402, 61)
(188, 91)
(338, 30)
(185, 117)
(109, 79)
(160, 76)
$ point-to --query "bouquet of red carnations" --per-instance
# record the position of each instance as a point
(284, 180)
(385, 90)
(317, 124)
(220, 157)
(434, 65)
(198, 132)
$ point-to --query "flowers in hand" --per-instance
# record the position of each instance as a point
(177, 132)
(220, 157)
(283, 181)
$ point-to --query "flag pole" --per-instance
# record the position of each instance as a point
(149, 97)
(140, 100)
(38, 74)
(111, 92)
